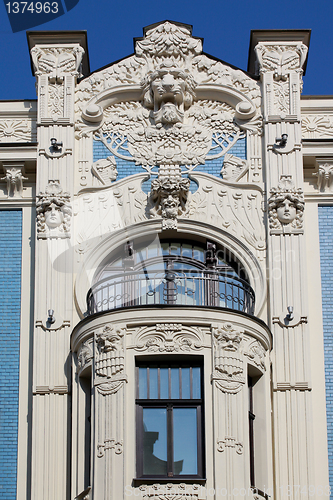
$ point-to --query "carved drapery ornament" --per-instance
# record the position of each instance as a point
(54, 212)
(286, 207)
(228, 358)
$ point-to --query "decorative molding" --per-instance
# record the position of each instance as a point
(55, 101)
(288, 386)
(169, 337)
(169, 196)
(281, 59)
(57, 325)
(56, 62)
(109, 359)
(233, 168)
(109, 444)
(101, 211)
(112, 386)
(208, 131)
(317, 126)
(166, 46)
(17, 130)
(230, 206)
(283, 320)
(14, 177)
(105, 170)
(45, 389)
(85, 356)
(54, 212)
(53, 154)
(168, 91)
(281, 97)
(160, 114)
(230, 442)
(228, 358)
(286, 207)
(170, 491)
(324, 175)
(256, 354)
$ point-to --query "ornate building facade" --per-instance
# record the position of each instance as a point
(166, 242)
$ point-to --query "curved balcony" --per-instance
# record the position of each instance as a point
(186, 288)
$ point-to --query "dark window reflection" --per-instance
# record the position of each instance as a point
(155, 441)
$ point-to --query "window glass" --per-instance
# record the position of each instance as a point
(164, 381)
(174, 248)
(185, 441)
(143, 383)
(154, 441)
(196, 382)
(187, 250)
(186, 383)
(174, 383)
(153, 383)
(168, 421)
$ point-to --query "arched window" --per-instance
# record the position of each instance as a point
(171, 272)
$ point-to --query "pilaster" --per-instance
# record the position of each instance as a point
(280, 61)
(57, 61)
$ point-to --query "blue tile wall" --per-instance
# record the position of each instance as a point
(10, 300)
(325, 214)
(126, 168)
(214, 167)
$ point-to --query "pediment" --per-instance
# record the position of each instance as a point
(167, 52)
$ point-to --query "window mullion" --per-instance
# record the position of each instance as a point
(170, 439)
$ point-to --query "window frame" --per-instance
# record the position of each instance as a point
(170, 404)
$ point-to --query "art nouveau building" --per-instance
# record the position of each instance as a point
(166, 232)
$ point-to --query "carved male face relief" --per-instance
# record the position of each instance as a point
(228, 171)
(169, 94)
(170, 206)
(286, 211)
(53, 216)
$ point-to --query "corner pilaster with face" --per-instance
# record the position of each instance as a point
(286, 207)
(53, 212)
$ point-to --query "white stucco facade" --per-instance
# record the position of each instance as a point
(170, 221)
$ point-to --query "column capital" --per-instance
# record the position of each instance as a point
(278, 51)
(58, 53)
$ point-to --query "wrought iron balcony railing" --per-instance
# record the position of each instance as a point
(185, 288)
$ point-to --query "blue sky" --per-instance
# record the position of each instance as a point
(225, 27)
